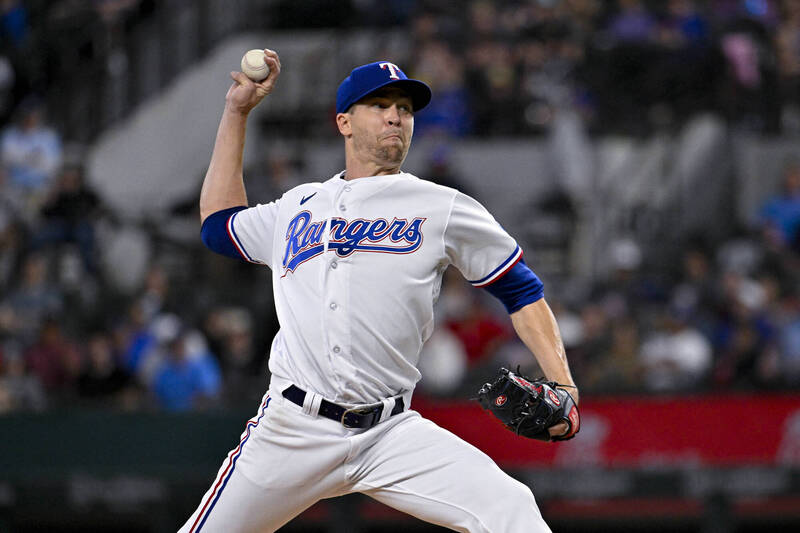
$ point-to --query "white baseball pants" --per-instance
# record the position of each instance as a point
(287, 460)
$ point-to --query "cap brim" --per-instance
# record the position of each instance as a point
(419, 92)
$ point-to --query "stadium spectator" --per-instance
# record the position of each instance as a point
(11, 245)
(449, 112)
(8, 80)
(101, 377)
(491, 76)
(31, 302)
(683, 26)
(55, 360)
(14, 27)
(443, 364)
(480, 330)
(675, 355)
(32, 152)
(464, 313)
(135, 338)
(787, 45)
(69, 215)
(442, 170)
(19, 390)
(695, 293)
(780, 215)
(617, 367)
(632, 24)
(155, 292)
(784, 367)
(188, 378)
(229, 331)
(594, 339)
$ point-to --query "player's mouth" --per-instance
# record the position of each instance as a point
(393, 136)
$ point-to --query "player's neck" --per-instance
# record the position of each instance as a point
(362, 169)
(356, 173)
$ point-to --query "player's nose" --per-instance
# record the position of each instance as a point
(392, 115)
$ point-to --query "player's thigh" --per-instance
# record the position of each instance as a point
(426, 471)
(245, 507)
(285, 461)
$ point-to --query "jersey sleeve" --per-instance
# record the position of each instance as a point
(476, 243)
(252, 231)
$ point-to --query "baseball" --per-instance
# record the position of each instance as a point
(254, 66)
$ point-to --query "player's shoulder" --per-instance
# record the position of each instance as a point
(303, 189)
(428, 186)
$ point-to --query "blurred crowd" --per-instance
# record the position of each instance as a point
(99, 311)
(625, 66)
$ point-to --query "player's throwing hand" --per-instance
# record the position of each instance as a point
(245, 93)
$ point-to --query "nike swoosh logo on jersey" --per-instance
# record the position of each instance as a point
(307, 198)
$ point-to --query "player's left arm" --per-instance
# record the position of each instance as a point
(521, 292)
(491, 259)
(538, 329)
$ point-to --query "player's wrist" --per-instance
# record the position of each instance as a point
(571, 389)
(574, 393)
(237, 110)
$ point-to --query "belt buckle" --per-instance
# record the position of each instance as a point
(361, 411)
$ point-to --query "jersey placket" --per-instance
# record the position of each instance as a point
(335, 299)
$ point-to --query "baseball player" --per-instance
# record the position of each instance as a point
(357, 262)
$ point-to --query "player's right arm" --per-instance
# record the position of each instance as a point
(223, 186)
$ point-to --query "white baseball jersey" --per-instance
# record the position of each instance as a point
(356, 268)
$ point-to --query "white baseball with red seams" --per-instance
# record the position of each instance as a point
(254, 65)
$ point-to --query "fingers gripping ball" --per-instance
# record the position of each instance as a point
(254, 65)
(529, 407)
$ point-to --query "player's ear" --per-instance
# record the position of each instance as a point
(343, 123)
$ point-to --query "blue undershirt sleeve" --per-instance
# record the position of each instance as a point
(517, 288)
(215, 233)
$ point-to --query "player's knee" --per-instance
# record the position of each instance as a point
(514, 510)
(519, 497)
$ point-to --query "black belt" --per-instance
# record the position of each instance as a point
(356, 417)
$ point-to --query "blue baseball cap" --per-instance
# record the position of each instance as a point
(371, 77)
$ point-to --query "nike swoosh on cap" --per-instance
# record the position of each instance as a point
(306, 198)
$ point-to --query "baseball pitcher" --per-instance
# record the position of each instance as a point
(357, 262)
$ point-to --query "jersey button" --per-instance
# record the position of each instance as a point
(347, 188)
(333, 306)
(342, 207)
(336, 349)
(334, 264)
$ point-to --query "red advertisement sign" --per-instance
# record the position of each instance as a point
(645, 432)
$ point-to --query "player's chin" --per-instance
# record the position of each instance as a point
(392, 154)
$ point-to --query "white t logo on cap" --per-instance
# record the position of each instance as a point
(392, 69)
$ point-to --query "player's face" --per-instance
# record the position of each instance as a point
(382, 125)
